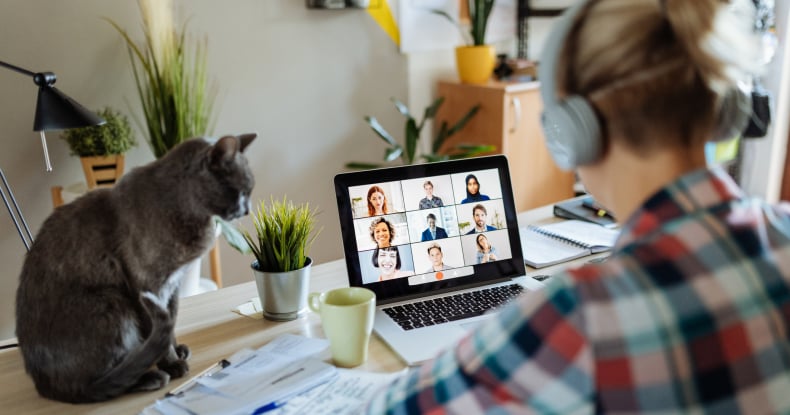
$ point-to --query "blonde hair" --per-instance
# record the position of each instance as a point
(656, 70)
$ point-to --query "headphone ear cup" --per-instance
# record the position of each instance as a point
(573, 133)
(733, 116)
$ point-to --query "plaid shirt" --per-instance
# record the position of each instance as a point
(689, 314)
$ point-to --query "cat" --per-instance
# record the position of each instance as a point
(98, 292)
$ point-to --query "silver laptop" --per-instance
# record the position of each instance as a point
(439, 245)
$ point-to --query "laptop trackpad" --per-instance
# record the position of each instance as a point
(471, 325)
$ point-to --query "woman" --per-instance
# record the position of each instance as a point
(377, 201)
(388, 261)
(689, 313)
(382, 232)
(473, 190)
(485, 252)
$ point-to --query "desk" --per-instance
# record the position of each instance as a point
(206, 324)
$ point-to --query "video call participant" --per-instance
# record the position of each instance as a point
(433, 231)
(479, 216)
(437, 258)
(430, 201)
(690, 312)
(388, 261)
(382, 232)
(473, 190)
(377, 201)
(485, 252)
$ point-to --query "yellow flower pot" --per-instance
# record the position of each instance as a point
(475, 64)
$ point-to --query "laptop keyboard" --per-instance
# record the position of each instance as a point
(454, 307)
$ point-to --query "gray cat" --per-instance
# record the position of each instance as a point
(98, 293)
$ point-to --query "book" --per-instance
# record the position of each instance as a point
(558, 242)
(585, 209)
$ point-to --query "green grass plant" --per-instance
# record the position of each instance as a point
(284, 233)
(171, 83)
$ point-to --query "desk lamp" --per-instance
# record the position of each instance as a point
(54, 111)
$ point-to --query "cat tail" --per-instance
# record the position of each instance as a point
(134, 365)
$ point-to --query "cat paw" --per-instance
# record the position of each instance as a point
(176, 368)
(183, 352)
(151, 381)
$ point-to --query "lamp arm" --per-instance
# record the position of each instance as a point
(29, 240)
(17, 69)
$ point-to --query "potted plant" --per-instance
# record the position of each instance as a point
(408, 155)
(475, 61)
(171, 82)
(284, 233)
(101, 148)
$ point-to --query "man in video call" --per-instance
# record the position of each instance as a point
(433, 232)
(437, 258)
(430, 201)
(479, 214)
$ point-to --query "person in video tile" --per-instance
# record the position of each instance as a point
(485, 252)
(437, 258)
(382, 232)
(480, 214)
(377, 201)
(430, 201)
(388, 261)
(433, 231)
(473, 190)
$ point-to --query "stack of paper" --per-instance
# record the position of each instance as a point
(283, 377)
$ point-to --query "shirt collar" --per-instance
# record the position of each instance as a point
(698, 190)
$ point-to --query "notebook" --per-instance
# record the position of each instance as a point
(558, 242)
(391, 248)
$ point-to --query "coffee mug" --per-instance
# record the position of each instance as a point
(347, 318)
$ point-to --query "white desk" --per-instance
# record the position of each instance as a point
(207, 325)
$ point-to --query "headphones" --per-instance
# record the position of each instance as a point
(572, 129)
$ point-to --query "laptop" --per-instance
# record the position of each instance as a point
(426, 243)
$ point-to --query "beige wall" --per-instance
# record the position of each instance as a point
(303, 79)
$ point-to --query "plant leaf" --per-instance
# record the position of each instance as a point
(392, 153)
(234, 237)
(402, 108)
(412, 135)
(431, 111)
(462, 122)
(380, 131)
(361, 165)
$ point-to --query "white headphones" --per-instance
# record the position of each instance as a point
(571, 127)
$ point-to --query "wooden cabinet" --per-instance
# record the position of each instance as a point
(509, 118)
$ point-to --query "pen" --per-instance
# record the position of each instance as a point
(268, 407)
(595, 207)
(216, 367)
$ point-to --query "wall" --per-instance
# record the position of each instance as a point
(764, 158)
(302, 79)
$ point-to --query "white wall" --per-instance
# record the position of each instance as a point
(303, 79)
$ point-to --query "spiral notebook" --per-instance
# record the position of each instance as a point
(551, 244)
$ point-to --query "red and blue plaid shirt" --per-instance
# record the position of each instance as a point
(689, 314)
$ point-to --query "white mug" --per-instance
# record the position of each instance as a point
(347, 318)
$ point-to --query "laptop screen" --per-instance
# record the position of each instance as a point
(428, 228)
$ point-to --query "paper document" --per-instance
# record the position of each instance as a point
(347, 393)
(285, 376)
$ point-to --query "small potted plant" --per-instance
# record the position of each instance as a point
(101, 148)
(284, 233)
(476, 60)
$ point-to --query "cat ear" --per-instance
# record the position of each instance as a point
(246, 139)
(224, 150)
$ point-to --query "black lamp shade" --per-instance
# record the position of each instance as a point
(56, 111)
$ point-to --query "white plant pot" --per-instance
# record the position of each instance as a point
(191, 283)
